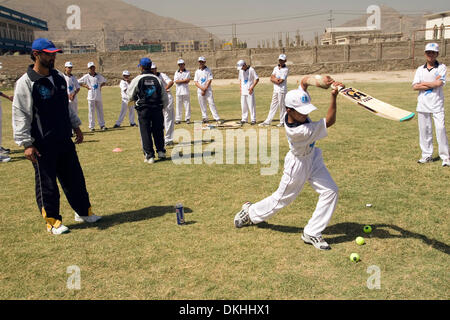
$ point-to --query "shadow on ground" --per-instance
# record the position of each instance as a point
(348, 231)
(114, 219)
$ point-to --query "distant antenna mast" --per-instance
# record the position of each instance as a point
(330, 19)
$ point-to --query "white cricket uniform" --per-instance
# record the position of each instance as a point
(168, 111)
(430, 104)
(302, 163)
(72, 86)
(279, 93)
(247, 78)
(201, 77)
(123, 111)
(94, 98)
(182, 94)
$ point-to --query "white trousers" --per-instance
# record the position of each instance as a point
(248, 104)
(123, 113)
(298, 170)
(169, 120)
(203, 100)
(95, 106)
(183, 100)
(277, 104)
(74, 106)
(426, 134)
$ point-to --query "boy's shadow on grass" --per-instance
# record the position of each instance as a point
(348, 231)
(109, 221)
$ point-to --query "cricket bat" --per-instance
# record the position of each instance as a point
(375, 106)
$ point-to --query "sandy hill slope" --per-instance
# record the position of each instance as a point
(121, 21)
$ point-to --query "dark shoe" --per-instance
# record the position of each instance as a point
(253, 123)
(177, 122)
(205, 120)
(103, 128)
(133, 125)
(116, 126)
(188, 121)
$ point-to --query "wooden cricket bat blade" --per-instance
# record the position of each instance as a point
(375, 106)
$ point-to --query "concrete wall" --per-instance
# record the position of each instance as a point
(303, 60)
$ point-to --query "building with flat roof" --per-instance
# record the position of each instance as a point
(17, 30)
(357, 35)
(437, 26)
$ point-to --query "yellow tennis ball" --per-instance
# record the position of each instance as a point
(354, 257)
(360, 241)
(367, 229)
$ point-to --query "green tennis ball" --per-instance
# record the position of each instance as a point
(360, 241)
(354, 257)
(367, 229)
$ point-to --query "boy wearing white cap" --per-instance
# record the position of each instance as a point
(303, 163)
(124, 83)
(72, 86)
(248, 80)
(182, 77)
(168, 112)
(429, 80)
(94, 81)
(202, 79)
(279, 80)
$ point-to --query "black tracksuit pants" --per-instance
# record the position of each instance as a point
(59, 160)
(151, 125)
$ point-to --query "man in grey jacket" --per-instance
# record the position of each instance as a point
(150, 97)
(43, 124)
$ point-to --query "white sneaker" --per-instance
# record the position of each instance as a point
(5, 151)
(4, 158)
(161, 155)
(149, 160)
(60, 230)
(280, 125)
(91, 219)
(263, 124)
(242, 218)
(317, 242)
(425, 160)
(446, 163)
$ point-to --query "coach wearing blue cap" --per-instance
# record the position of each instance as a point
(43, 124)
(150, 97)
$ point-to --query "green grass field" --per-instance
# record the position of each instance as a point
(137, 251)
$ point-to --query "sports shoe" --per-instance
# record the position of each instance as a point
(149, 160)
(91, 129)
(242, 218)
(241, 122)
(169, 143)
(5, 151)
(220, 121)
(446, 163)
(103, 128)
(161, 155)
(116, 126)
(133, 125)
(188, 121)
(60, 230)
(425, 160)
(177, 122)
(253, 123)
(263, 124)
(4, 158)
(280, 125)
(317, 242)
(205, 120)
(91, 219)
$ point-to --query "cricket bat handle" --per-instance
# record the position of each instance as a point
(338, 87)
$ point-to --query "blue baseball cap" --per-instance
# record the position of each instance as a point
(43, 44)
(145, 62)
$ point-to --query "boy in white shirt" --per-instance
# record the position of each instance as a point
(72, 86)
(203, 78)
(248, 79)
(94, 82)
(303, 163)
(124, 83)
(168, 112)
(429, 80)
(279, 80)
(182, 77)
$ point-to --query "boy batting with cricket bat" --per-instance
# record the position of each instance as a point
(303, 163)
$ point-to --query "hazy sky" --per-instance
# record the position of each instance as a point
(307, 16)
